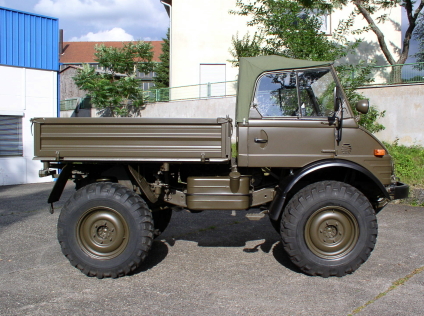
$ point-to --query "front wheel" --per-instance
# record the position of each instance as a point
(329, 228)
(105, 230)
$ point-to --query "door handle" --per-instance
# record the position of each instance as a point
(261, 141)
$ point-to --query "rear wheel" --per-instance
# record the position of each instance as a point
(329, 229)
(105, 230)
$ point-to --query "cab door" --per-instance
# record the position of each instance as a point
(291, 122)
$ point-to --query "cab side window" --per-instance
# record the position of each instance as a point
(305, 93)
(276, 95)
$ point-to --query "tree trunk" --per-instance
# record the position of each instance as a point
(396, 74)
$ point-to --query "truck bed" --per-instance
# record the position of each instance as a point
(132, 139)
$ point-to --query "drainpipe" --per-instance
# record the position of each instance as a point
(60, 42)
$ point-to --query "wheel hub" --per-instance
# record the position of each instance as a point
(102, 233)
(331, 232)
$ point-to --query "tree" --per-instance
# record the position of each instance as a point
(246, 47)
(369, 10)
(115, 90)
(291, 29)
(162, 69)
(374, 12)
(418, 35)
(161, 79)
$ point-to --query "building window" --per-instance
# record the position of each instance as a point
(10, 136)
(325, 18)
(147, 85)
(326, 23)
(212, 80)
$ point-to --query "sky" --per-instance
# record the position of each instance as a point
(101, 20)
(110, 20)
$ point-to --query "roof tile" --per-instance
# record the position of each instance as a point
(83, 52)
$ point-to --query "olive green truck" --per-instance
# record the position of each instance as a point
(300, 158)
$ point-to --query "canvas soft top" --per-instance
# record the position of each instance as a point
(252, 67)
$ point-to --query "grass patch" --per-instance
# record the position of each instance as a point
(394, 285)
(409, 163)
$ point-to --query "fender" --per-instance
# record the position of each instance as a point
(288, 183)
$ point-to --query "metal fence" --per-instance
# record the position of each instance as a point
(72, 104)
(397, 74)
(383, 75)
(192, 92)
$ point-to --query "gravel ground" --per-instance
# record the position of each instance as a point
(211, 263)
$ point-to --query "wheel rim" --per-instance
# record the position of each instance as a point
(331, 232)
(102, 233)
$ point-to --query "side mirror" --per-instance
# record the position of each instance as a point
(363, 106)
(337, 100)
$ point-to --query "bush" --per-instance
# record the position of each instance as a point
(409, 163)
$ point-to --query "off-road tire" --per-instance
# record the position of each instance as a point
(105, 230)
(329, 228)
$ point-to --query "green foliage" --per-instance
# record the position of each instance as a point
(245, 47)
(162, 69)
(115, 90)
(290, 29)
(352, 77)
(409, 163)
(418, 35)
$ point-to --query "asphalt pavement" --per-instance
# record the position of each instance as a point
(210, 263)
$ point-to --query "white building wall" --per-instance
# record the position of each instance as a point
(369, 49)
(201, 33)
(28, 93)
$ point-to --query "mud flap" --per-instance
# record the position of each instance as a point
(59, 186)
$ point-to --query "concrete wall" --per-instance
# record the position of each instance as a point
(27, 93)
(404, 106)
(68, 88)
(219, 107)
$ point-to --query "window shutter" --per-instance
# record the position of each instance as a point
(11, 136)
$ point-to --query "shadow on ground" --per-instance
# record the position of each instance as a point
(21, 201)
(218, 229)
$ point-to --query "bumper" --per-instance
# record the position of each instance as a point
(398, 191)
